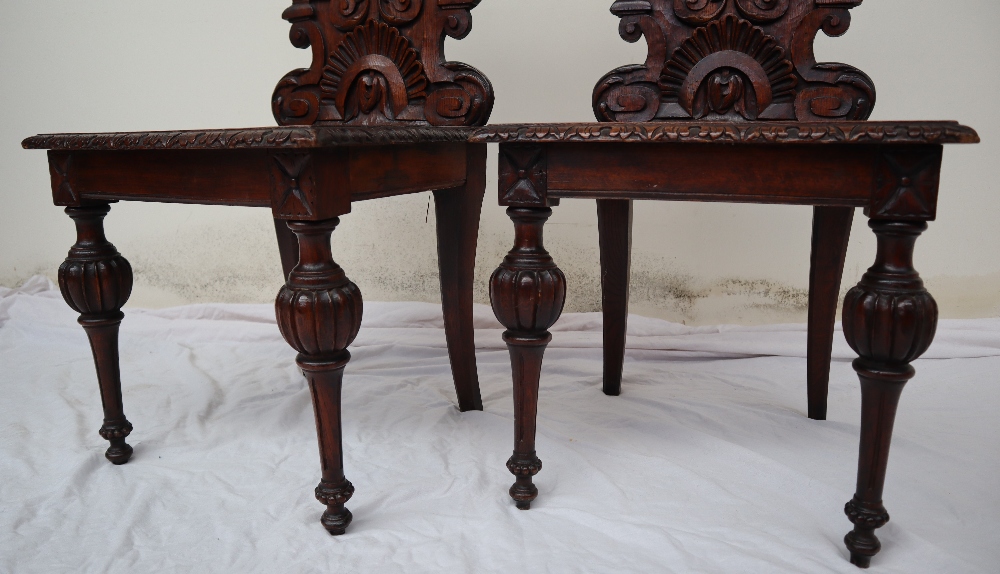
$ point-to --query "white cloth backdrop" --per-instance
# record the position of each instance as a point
(706, 463)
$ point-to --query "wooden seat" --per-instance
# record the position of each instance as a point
(731, 105)
(378, 113)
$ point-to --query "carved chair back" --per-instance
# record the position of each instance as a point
(381, 62)
(733, 60)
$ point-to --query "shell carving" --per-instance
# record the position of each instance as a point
(375, 72)
(729, 69)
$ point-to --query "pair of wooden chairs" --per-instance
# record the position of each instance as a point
(730, 105)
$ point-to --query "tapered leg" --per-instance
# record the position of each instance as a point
(96, 281)
(457, 212)
(528, 292)
(831, 233)
(890, 320)
(319, 313)
(288, 246)
(614, 225)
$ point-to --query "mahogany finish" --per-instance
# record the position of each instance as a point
(830, 235)
(614, 227)
(380, 112)
(528, 292)
(752, 118)
(96, 281)
(735, 60)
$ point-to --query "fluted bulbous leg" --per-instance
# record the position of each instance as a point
(889, 320)
(96, 281)
(528, 292)
(319, 313)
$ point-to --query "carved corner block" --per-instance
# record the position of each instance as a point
(524, 176)
(61, 171)
(906, 184)
(309, 185)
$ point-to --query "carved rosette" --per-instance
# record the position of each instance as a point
(528, 290)
(889, 317)
(866, 515)
(330, 493)
(319, 309)
(117, 430)
(733, 60)
(381, 62)
(95, 280)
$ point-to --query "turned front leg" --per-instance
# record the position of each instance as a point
(96, 281)
(528, 292)
(319, 313)
(890, 320)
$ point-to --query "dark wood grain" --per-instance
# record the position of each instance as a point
(457, 213)
(395, 170)
(731, 105)
(380, 112)
(528, 292)
(889, 320)
(288, 247)
(614, 227)
(795, 174)
(830, 235)
(319, 313)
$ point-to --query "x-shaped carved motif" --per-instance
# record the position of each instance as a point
(295, 180)
(907, 185)
(62, 190)
(523, 175)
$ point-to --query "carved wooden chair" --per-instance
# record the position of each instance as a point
(378, 113)
(731, 105)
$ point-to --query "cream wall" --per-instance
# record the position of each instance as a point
(119, 65)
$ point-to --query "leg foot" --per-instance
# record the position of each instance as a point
(119, 452)
(337, 517)
(862, 542)
(524, 466)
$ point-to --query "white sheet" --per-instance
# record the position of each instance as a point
(706, 463)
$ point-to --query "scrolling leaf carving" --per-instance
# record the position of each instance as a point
(381, 62)
(733, 60)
